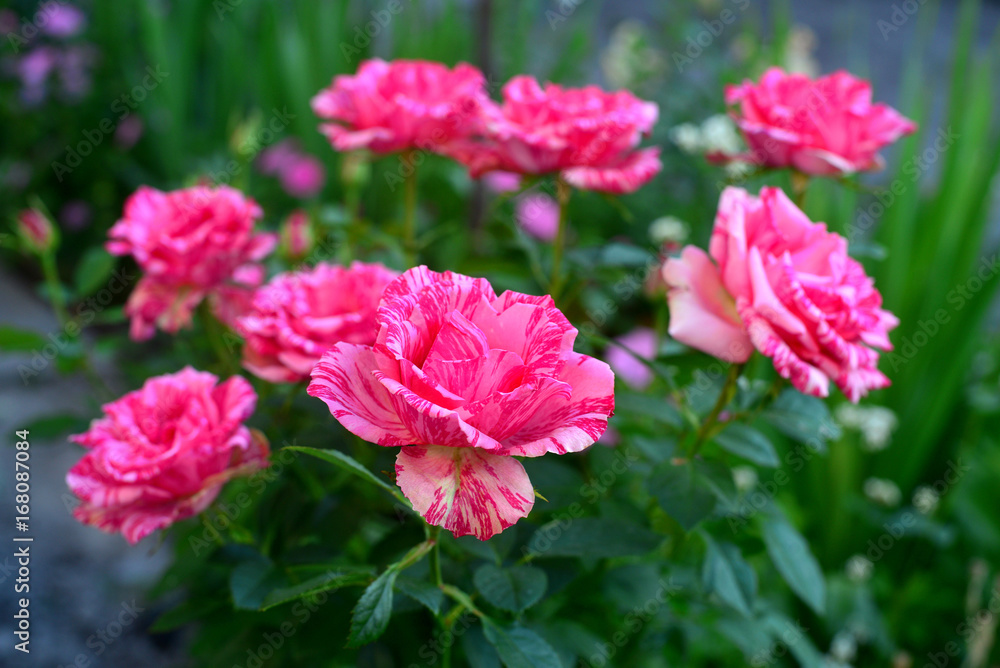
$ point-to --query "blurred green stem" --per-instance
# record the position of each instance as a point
(410, 210)
(562, 195)
(433, 533)
(725, 396)
(55, 287)
(800, 184)
(216, 335)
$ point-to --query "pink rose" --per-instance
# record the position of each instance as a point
(162, 453)
(586, 135)
(298, 316)
(824, 127)
(189, 243)
(464, 380)
(785, 286)
(404, 104)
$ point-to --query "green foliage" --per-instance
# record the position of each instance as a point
(675, 547)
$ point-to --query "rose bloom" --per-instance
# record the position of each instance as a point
(785, 286)
(827, 126)
(188, 243)
(400, 105)
(586, 135)
(298, 316)
(465, 381)
(162, 453)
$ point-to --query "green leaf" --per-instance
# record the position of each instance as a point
(345, 462)
(252, 580)
(333, 579)
(189, 610)
(17, 340)
(93, 271)
(521, 648)
(730, 577)
(513, 589)
(478, 651)
(53, 427)
(791, 556)
(422, 592)
(371, 614)
(804, 418)
(682, 492)
(644, 405)
(748, 443)
(598, 537)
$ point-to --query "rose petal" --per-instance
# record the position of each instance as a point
(464, 490)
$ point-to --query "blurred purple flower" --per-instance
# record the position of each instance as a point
(274, 159)
(75, 214)
(641, 341)
(33, 68)
(304, 177)
(128, 132)
(538, 215)
(502, 182)
(64, 21)
(74, 70)
(301, 174)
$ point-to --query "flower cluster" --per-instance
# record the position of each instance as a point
(587, 136)
(463, 380)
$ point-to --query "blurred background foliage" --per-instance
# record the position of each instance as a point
(897, 505)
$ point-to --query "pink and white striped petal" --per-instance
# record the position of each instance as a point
(465, 490)
(344, 379)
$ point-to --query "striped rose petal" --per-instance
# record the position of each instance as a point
(465, 490)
